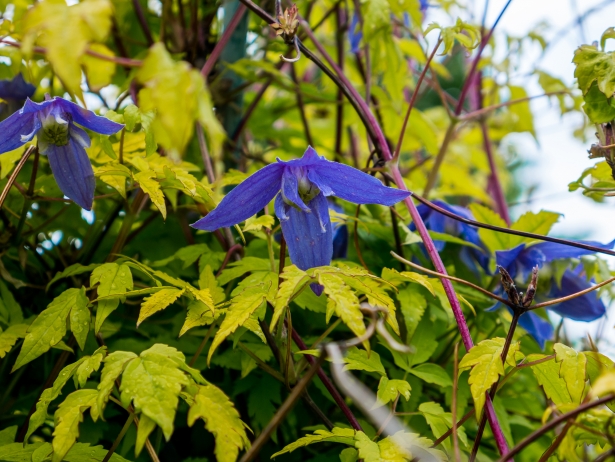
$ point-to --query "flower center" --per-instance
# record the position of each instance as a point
(307, 189)
(54, 130)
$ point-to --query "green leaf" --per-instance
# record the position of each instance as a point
(368, 449)
(207, 280)
(440, 422)
(15, 314)
(112, 279)
(294, 280)
(258, 223)
(393, 276)
(79, 318)
(537, 223)
(67, 419)
(547, 375)
(151, 186)
(241, 267)
(158, 301)
(572, 369)
(343, 302)
(49, 394)
(82, 452)
(7, 435)
(485, 360)
(389, 390)
(360, 360)
(177, 94)
(222, 419)
(66, 31)
(9, 337)
(597, 363)
(203, 296)
(115, 363)
(89, 365)
(146, 427)
(50, 326)
(492, 239)
(242, 307)
(152, 382)
(337, 435)
(413, 306)
(593, 65)
(432, 373)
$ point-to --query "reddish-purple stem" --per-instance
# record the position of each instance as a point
(468, 82)
(416, 218)
(326, 381)
(226, 36)
(494, 180)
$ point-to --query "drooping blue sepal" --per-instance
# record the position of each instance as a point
(586, 308)
(540, 329)
(73, 172)
(245, 200)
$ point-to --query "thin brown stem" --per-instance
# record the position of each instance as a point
(452, 278)
(226, 36)
(433, 173)
(555, 444)
(454, 403)
(136, 5)
(484, 111)
(119, 437)
(554, 423)
(283, 410)
(199, 350)
(13, 177)
(301, 105)
(514, 232)
(413, 99)
(494, 387)
(209, 168)
(572, 296)
(260, 363)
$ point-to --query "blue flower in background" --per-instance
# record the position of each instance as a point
(53, 122)
(520, 261)
(439, 223)
(340, 234)
(355, 34)
(302, 207)
(16, 89)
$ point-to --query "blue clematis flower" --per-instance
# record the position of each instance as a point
(439, 223)
(521, 259)
(53, 122)
(355, 34)
(302, 207)
(340, 234)
(16, 89)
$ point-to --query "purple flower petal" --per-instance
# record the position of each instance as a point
(73, 172)
(553, 251)
(290, 188)
(355, 36)
(16, 89)
(308, 244)
(540, 329)
(17, 129)
(88, 119)
(507, 259)
(252, 195)
(585, 308)
(352, 185)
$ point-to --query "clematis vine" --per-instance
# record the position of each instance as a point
(301, 205)
(53, 122)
